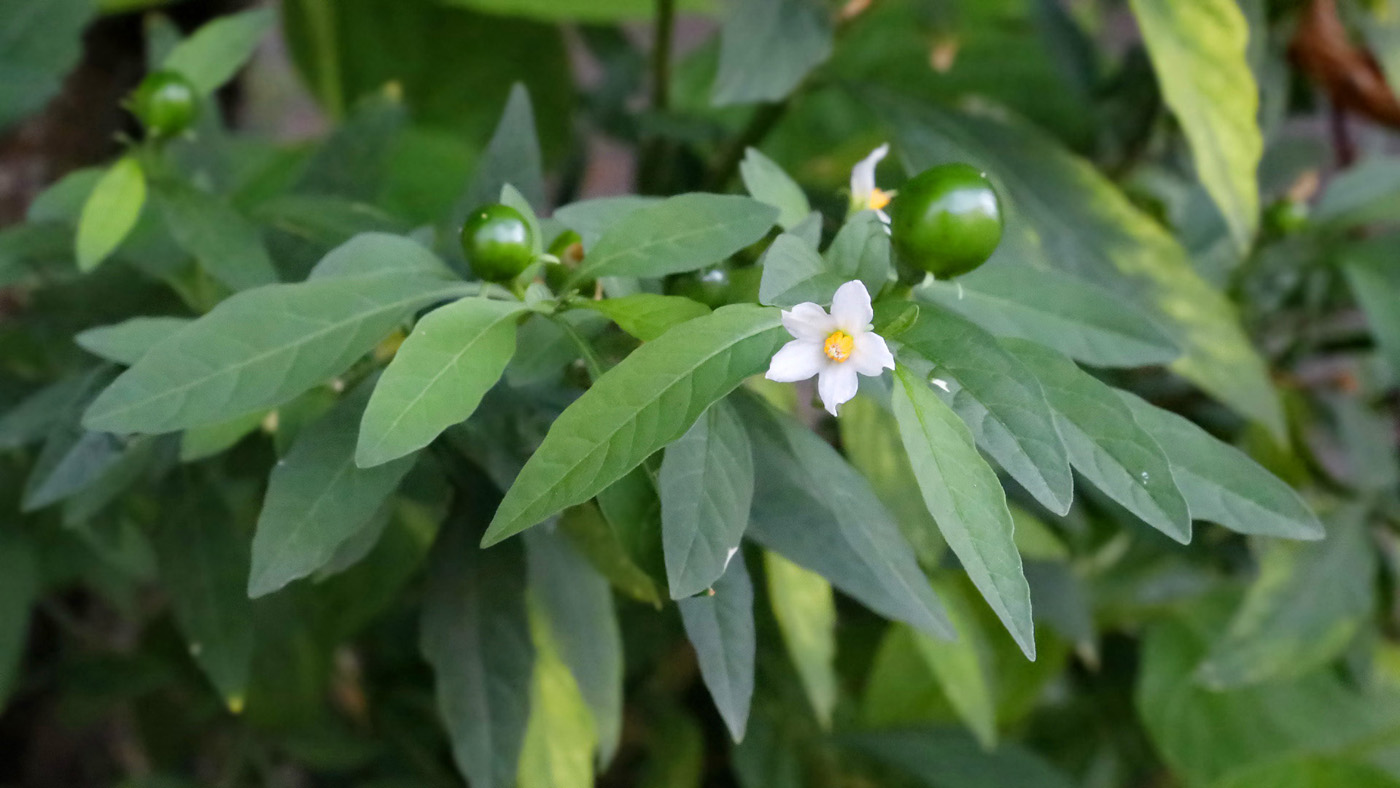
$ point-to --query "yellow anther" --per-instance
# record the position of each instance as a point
(879, 199)
(838, 346)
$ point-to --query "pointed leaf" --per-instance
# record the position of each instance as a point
(1371, 271)
(647, 316)
(959, 666)
(438, 377)
(262, 347)
(317, 498)
(511, 157)
(648, 400)
(1105, 442)
(706, 485)
(966, 499)
(767, 183)
(126, 342)
(805, 608)
(558, 747)
(591, 218)
(592, 536)
(815, 510)
(999, 399)
(767, 47)
(679, 234)
(1223, 484)
(224, 243)
(217, 51)
(476, 635)
(720, 626)
(110, 212)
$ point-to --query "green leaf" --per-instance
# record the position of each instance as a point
(37, 415)
(558, 747)
(1063, 214)
(1086, 322)
(814, 509)
(1317, 771)
(966, 499)
(647, 316)
(71, 460)
(594, 537)
(943, 758)
(476, 635)
(959, 667)
(353, 163)
(1367, 192)
(999, 399)
(706, 486)
(861, 250)
(19, 589)
(224, 243)
(262, 347)
(126, 342)
(203, 559)
(720, 626)
(1307, 604)
(438, 377)
(39, 43)
(805, 609)
(1199, 51)
(1223, 484)
(218, 50)
(767, 47)
(632, 508)
(793, 272)
(591, 218)
(767, 183)
(577, 603)
(197, 443)
(1105, 442)
(679, 234)
(648, 400)
(1375, 281)
(577, 10)
(110, 212)
(512, 157)
(317, 498)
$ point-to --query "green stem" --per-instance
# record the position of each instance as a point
(761, 123)
(661, 55)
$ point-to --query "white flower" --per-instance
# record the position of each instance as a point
(865, 196)
(833, 347)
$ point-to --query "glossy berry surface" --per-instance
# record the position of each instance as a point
(946, 220)
(166, 104)
(497, 242)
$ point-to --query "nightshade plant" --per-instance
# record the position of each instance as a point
(388, 460)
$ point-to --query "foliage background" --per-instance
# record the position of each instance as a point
(1152, 156)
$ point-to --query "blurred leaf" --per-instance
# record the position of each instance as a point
(632, 507)
(437, 377)
(126, 342)
(767, 183)
(676, 752)
(1366, 192)
(197, 443)
(317, 498)
(110, 212)
(999, 399)
(647, 316)
(558, 747)
(943, 758)
(1375, 281)
(592, 218)
(476, 635)
(1062, 213)
(218, 50)
(1198, 50)
(767, 47)
(706, 485)
(262, 347)
(228, 246)
(203, 559)
(511, 158)
(577, 10)
(1221, 483)
(1105, 442)
(1072, 315)
(1306, 605)
(595, 538)
(720, 626)
(39, 43)
(353, 162)
(958, 665)
(678, 234)
(577, 603)
(71, 460)
(648, 400)
(806, 612)
(816, 511)
(19, 588)
(966, 500)
(37, 415)
(1309, 772)
(346, 49)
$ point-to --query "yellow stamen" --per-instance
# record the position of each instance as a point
(879, 199)
(838, 346)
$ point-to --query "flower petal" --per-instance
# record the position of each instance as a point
(850, 308)
(871, 354)
(863, 175)
(837, 384)
(797, 360)
(808, 321)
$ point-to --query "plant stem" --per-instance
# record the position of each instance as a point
(764, 119)
(661, 55)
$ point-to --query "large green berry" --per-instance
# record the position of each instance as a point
(946, 220)
(166, 104)
(497, 242)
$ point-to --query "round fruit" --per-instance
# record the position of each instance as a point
(497, 242)
(946, 220)
(1286, 216)
(568, 247)
(166, 104)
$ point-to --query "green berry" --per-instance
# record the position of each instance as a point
(497, 242)
(166, 104)
(946, 220)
